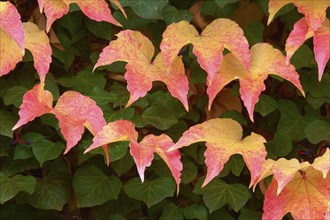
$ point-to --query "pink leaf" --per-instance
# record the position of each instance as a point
(143, 154)
(137, 50)
(322, 46)
(36, 102)
(76, 111)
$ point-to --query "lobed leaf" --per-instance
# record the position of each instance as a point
(223, 138)
(137, 50)
(97, 10)
(314, 11)
(208, 46)
(265, 60)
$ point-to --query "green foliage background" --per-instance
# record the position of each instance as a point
(37, 181)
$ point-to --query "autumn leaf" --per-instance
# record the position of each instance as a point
(284, 170)
(302, 32)
(117, 3)
(207, 46)
(223, 138)
(36, 41)
(12, 37)
(137, 50)
(265, 60)
(306, 196)
(97, 10)
(86, 114)
(36, 102)
(143, 154)
(314, 11)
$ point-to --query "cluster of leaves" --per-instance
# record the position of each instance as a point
(202, 48)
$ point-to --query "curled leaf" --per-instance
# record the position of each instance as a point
(223, 138)
(137, 50)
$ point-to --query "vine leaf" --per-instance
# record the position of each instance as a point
(265, 60)
(223, 138)
(36, 102)
(314, 11)
(306, 196)
(137, 50)
(36, 41)
(142, 153)
(97, 10)
(87, 114)
(302, 32)
(12, 37)
(207, 46)
(284, 170)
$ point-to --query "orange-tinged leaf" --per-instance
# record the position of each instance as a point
(322, 163)
(120, 130)
(302, 32)
(97, 10)
(314, 11)
(306, 196)
(207, 46)
(11, 23)
(223, 138)
(74, 112)
(36, 102)
(37, 42)
(137, 50)
(10, 53)
(143, 154)
(265, 60)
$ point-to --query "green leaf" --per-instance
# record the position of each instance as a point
(291, 122)
(7, 122)
(254, 33)
(223, 3)
(151, 191)
(317, 89)
(302, 57)
(189, 171)
(14, 96)
(10, 186)
(218, 193)
(211, 7)
(172, 14)
(45, 150)
(100, 96)
(93, 187)
(148, 9)
(280, 146)
(132, 22)
(266, 105)
(10, 167)
(52, 192)
(123, 165)
(237, 116)
(237, 164)
(247, 214)
(171, 212)
(156, 116)
(195, 212)
(317, 131)
(99, 29)
(85, 81)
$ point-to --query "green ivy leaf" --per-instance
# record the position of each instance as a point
(171, 211)
(302, 57)
(7, 122)
(14, 96)
(52, 192)
(195, 212)
(148, 9)
(151, 191)
(280, 146)
(218, 193)
(10, 186)
(266, 105)
(317, 131)
(172, 14)
(247, 214)
(102, 30)
(45, 150)
(93, 187)
(254, 33)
